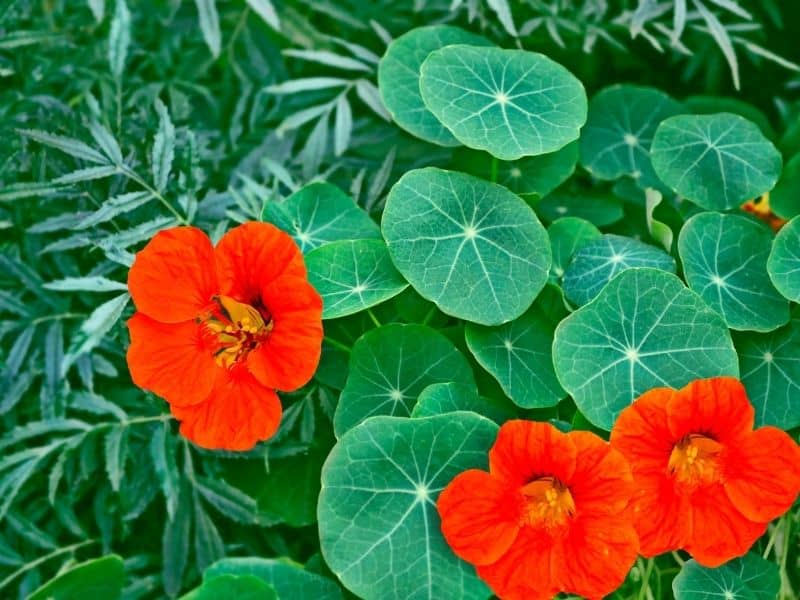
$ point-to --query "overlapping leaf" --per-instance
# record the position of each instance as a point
(783, 263)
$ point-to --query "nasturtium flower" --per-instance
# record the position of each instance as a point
(706, 482)
(550, 516)
(219, 329)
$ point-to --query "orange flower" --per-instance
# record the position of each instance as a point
(706, 482)
(550, 516)
(219, 329)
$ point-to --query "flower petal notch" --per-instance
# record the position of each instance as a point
(218, 330)
(551, 515)
(706, 482)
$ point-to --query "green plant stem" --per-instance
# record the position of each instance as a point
(495, 167)
(42, 559)
(135, 177)
(678, 558)
(646, 579)
(373, 317)
(59, 317)
(786, 593)
(338, 344)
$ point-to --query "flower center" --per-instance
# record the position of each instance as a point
(695, 460)
(238, 328)
(548, 503)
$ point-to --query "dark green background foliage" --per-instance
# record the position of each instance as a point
(119, 120)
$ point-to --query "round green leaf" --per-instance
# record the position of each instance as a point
(240, 587)
(531, 177)
(725, 261)
(619, 130)
(770, 366)
(783, 263)
(597, 208)
(566, 236)
(707, 105)
(761, 576)
(378, 524)
(289, 579)
(441, 398)
(320, 213)
(716, 161)
(472, 247)
(511, 103)
(644, 329)
(390, 366)
(352, 276)
(784, 199)
(97, 578)
(696, 582)
(519, 355)
(398, 79)
(598, 261)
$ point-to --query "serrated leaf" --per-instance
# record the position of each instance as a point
(88, 174)
(95, 328)
(17, 191)
(328, 58)
(163, 147)
(162, 452)
(343, 126)
(230, 501)
(370, 96)
(115, 449)
(70, 146)
(108, 144)
(175, 546)
(85, 284)
(119, 38)
(209, 25)
(208, 545)
(266, 10)
(307, 84)
(113, 207)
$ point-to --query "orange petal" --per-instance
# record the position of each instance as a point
(174, 277)
(658, 514)
(642, 433)
(532, 569)
(718, 532)
(479, 517)
(599, 552)
(238, 413)
(173, 360)
(290, 355)
(717, 407)
(602, 483)
(526, 450)
(253, 255)
(762, 474)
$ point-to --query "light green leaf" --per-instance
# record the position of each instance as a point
(390, 366)
(716, 161)
(659, 231)
(266, 10)
(783, 263)
(320, 213)
(747, 578)
(531, 177)
(644, 329)
(228, 500)
(352, 276)
(115, 449)
(598, 261)
(443, 398)
(472, 247)
(328, 58)
(378, 523)
(343, 126)
(770, 367)
(95, 328)
(85, 284)
(119, 38)
(567, 235)
(112, 207)
(97, 578)
(511, 103)
(725, 261)
(619, 130)
(87, 174)
(288, 578)
(398, 79)
(784, 200)
(208, 544)
(162, 451)
(70, 146)
(209, 25)
(163, 147)
(519, 356)
(598, 208)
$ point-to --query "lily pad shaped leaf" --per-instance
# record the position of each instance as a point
(783, 264)
(470, 246)
(511, 103)
(378, 524)
(390, 366)
(531, 177)
(716, 161)
(320, 213)
(725, 261)
(519, 355)
(288, 578)
(770, 366)
(566, 236)
(398, 79)
(619, 130)
(442, 398)
(747, 578)
(598, 261)
(644, 329)
(352, 276)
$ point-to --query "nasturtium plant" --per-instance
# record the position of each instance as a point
(644, 329)
(369, 300)
(511, 103)
(379, 529)
(724, 260)
(471, 246)
(716, 161)
(616, 139)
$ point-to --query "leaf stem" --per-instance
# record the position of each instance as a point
(373, 317)
(135, 177)
(495, 168)
(338, 344)
(646, 579)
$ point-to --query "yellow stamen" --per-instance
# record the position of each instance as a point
(695, 460)
(239, 328)
(547, 502)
